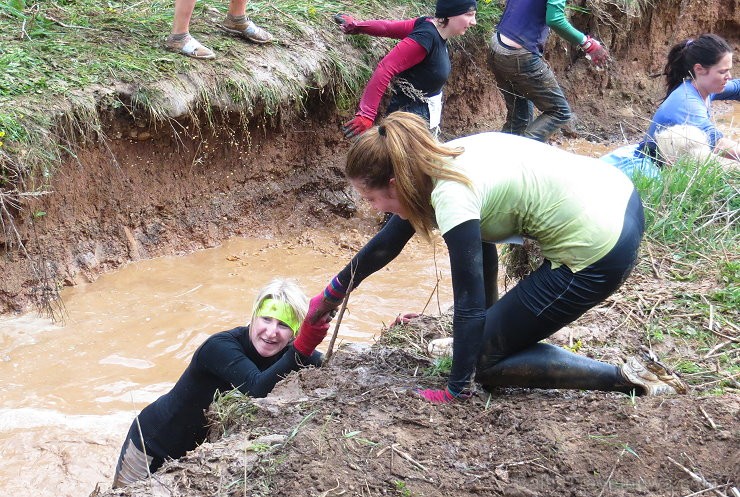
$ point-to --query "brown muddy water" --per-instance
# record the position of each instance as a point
(69, 392)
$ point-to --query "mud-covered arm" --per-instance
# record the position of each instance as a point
(468, 288)
(556, 20)
(405, 55)
(223, 356)
(378, 252)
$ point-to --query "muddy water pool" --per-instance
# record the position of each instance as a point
(70, 391)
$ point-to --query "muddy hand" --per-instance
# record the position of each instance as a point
(356, 126)
(595, 51)
(404, 318)
(346, 23)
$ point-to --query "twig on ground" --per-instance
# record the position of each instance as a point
(705, 490)
(408, 458)
(652, 264)
(611, 473)
(698, 478)
(711, 422)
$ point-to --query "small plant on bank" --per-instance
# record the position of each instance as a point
(442, 367)
(229, 411)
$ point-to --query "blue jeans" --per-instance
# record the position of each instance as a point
(526, 81)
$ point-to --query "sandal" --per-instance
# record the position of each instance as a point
(247, 30)
(190, 47)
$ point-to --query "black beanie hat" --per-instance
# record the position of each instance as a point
(449, 8)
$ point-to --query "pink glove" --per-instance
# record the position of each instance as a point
(404, 318)
(375, 27)
(347, 23)
(356, 126)
(309, 336)
(321, 307)
(442, 396)
(595, 51)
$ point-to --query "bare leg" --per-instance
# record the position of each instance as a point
(238, 7)
(183, 13)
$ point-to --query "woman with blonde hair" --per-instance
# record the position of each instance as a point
(251, 358)
(490, 187)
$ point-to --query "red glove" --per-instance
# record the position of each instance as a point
(309, 336)
(356, 126)
(595, 51)
(442, 396)
(347, 23)
(375, 27)
(404, 319)
(322, 306)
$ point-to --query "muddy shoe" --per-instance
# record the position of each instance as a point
(654, 377)
(189, 46)
(247, 29)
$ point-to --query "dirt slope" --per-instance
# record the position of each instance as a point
(354, 429)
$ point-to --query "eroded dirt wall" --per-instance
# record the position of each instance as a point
(143, 192)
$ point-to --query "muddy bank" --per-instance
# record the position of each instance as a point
(141, 190)
(354, 429)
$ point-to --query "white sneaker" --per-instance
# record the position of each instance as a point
(652, 375)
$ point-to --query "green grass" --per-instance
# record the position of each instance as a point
(691, 245)
(54, 49)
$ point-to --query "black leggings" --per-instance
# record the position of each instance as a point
(544, 302)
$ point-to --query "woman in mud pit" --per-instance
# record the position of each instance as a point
(419, 63)
(586, 216)
(251, 358)
(697, 73)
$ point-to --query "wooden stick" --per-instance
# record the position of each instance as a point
(330, 349)
(408, 458)
(699, 479)
(711, 422)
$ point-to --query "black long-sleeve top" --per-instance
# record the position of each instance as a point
(176, 423)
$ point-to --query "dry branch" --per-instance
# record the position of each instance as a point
(330, 348)
(698, 479)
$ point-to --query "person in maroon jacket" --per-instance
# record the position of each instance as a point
(418, 66)
(251, 358)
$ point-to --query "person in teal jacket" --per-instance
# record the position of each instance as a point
(524, 78)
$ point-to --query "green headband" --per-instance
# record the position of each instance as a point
(273, 308)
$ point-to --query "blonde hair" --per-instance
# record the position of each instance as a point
(683, 140)
(402, 147)
(286, 291)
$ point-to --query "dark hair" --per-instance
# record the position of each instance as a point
(451, 8)
(706, 50)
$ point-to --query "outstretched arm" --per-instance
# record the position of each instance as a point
(405, 55)
(386, 29)
(223, 356)
(375, 255)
